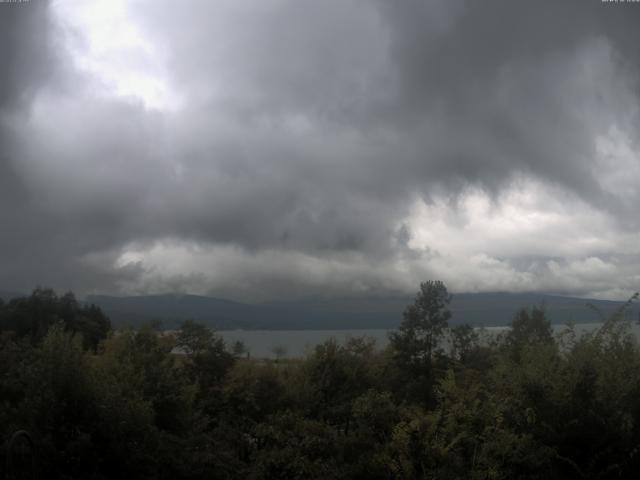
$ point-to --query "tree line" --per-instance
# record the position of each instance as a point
(436, 403)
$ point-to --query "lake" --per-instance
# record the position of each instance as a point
(297, 343)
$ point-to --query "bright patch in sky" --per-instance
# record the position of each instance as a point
(529, 216)
(106, 44)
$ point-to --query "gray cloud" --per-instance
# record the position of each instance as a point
(305, 134)
(516, 85)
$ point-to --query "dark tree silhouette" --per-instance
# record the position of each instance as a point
(424, 324)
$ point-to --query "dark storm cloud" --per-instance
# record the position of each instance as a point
(443, 92)
(26, 53)
(26, 59)
(439, 92)
(515, 85)
(44, 233)
(305, 129)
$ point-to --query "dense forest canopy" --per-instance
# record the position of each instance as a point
(139, 403)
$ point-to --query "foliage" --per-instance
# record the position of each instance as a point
(31, 317)
(417, 342)
(424, 324)
(529, 327)
(464, 341)
(147, 404)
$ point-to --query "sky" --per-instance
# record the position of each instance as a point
(287, 149)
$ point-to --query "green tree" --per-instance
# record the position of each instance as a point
(334, 376)
(416, 342)
(239, 348)
(195, 338)
(207, 361)
(279, 351)
(529, 328)
(464, 339)
(424, 323)
(31, 317)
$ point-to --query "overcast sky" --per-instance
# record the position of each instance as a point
(279, 149)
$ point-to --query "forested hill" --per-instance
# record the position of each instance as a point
(478, 309)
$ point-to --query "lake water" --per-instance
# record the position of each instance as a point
(297, 343)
